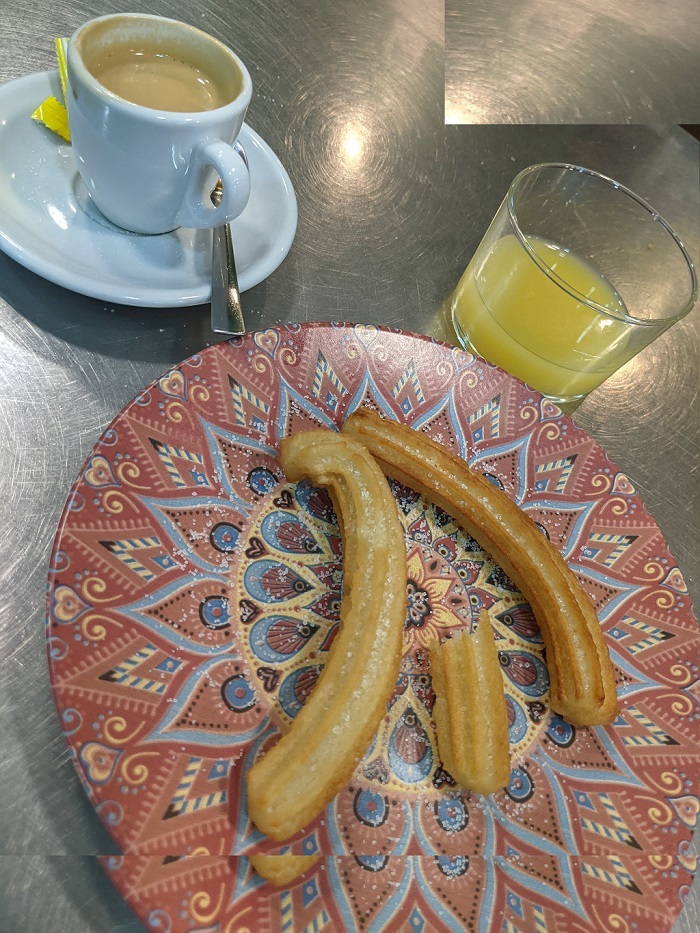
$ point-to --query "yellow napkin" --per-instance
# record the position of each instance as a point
(52, 112)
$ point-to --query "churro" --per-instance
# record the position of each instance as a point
(582, 684)
(281, 869)
(297, 777)
(470, 712)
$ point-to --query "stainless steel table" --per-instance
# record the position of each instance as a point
(547, 61)
(391, 205)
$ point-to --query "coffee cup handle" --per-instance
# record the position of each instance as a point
(231, 168)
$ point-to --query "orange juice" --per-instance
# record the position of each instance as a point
(514, 315)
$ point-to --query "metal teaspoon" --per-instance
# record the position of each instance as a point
(226, 309)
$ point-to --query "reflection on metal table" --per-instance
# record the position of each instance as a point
(543, 61)
(392, 203)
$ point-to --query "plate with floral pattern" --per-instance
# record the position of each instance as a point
(193, 599)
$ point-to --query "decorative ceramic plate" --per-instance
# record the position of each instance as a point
(193, 600)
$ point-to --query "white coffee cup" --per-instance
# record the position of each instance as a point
(150, 168)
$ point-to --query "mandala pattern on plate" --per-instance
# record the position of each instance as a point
(194, 596)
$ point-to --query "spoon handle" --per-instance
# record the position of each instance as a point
(226, 310)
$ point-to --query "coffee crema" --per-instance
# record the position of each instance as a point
(160, 79)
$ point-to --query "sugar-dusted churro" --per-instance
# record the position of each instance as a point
(470, 709)
(281, 869)
(582, 684)
(296, 778)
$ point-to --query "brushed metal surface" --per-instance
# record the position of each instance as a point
(548, 61)
(391, 205)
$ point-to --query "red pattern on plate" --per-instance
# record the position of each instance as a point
(193, 598)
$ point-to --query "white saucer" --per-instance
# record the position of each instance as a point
(49, 224)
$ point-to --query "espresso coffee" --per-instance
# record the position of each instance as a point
(162, 79)
(155, 106)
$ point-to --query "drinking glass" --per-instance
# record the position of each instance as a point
(575, 275)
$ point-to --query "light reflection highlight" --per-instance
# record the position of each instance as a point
(58, 217)
(353, 143)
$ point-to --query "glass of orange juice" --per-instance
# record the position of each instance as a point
(575, 275)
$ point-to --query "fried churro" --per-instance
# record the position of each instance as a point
(470, 709)
(295, 779)
(582, 684)
(282, 869)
